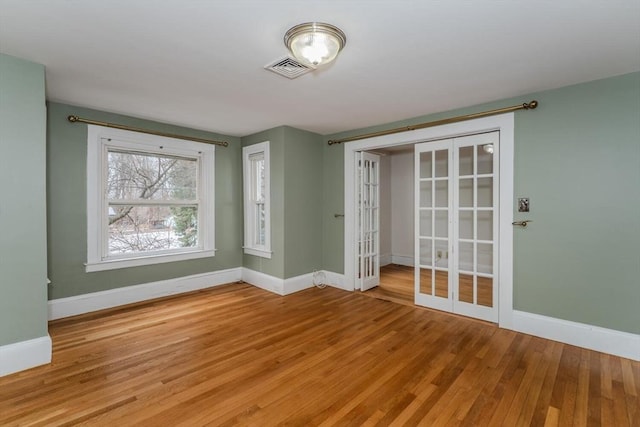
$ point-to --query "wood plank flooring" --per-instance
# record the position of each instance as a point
(237, 355)
(397, 285)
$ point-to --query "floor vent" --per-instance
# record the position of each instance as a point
(289, 68)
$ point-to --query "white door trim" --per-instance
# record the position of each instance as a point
(503, 123)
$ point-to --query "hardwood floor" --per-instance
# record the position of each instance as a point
(397, 285)
(237, 355)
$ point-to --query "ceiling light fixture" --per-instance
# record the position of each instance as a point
(488, 148)
(315, 43)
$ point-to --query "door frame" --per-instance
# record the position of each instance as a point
(503, 123)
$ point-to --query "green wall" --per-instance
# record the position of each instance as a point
(67, 207)
(296, 198)
(578, 159)
(303, 202)
(23, 256)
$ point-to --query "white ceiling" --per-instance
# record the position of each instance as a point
(200, 63)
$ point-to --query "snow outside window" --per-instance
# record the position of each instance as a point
(149, 199)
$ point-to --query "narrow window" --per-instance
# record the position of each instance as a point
(257, 233)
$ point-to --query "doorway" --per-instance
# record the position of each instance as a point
(467, 259)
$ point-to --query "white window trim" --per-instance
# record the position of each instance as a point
(263, 251)
(97, 143)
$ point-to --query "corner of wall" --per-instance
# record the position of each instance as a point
(24, 355)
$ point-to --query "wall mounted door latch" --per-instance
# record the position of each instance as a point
(522, 224)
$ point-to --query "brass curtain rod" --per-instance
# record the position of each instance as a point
(526, 106)
(76, 119)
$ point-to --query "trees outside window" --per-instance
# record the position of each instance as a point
(152, 201)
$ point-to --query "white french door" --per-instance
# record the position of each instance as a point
(456, 225)
(368, 220)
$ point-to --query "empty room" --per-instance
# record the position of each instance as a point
(318, 213)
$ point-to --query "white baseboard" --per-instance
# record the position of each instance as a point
(290, 285)
(24, 355)
(298, 283)
(263, 281)
(385, 259)
(403, 260)
(609, 341)
(80, 304)
(336, 280)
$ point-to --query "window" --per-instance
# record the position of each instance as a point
(149, 199)
(257, 212)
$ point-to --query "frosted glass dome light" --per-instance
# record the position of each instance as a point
(315, 43)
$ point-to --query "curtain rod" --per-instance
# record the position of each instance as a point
(526, 106)
(76, 119)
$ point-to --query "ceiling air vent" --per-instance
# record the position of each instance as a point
(290, 68)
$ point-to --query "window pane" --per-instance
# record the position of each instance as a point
(465, 225)
(485, 225)
(441, 224)
(485, 258)
(485, 291)
(257, 171)
(425, 223)
(485, 158)
(137, 176)
(442, 283)
(426, 252)
(442, 163)
(442, 194)
(465, 256)
(139, 229)
(465, 288)
(425, 194)
(426, 281)
(485, 192)
(465, 190)
(465, 161)
(426, 165)
(259, 218)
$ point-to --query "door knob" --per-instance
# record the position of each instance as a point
(522, 224)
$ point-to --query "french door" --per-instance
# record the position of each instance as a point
(456, 225)
(368, 220)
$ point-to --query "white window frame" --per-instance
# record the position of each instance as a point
(250, 247)
(99, 140)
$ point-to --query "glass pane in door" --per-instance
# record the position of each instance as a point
(442, 283)
(465, 161)
(442, 163)
(425, 194)
(465, 287)
(426, 281)
(426, 165)
(485, 291)
(474, 183)
(485, 158)
(433, 201)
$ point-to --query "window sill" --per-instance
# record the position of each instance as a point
(114, 264)
(258, 252)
